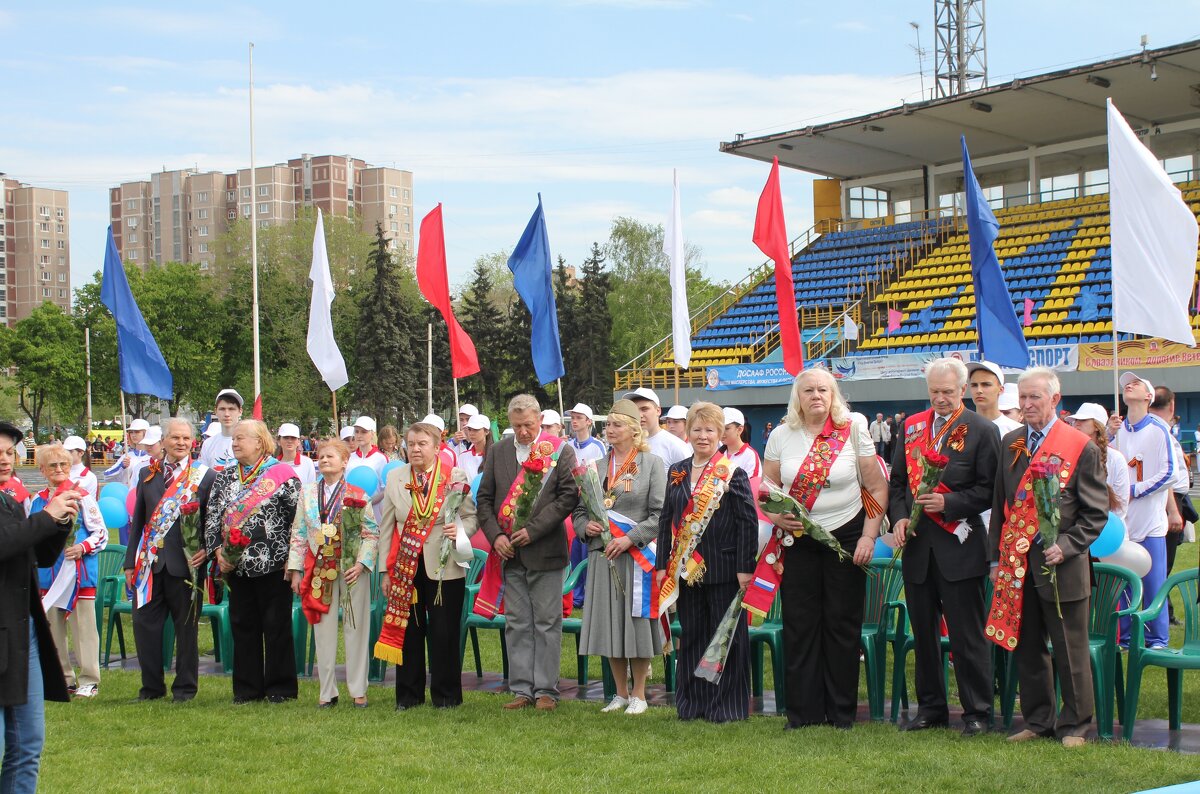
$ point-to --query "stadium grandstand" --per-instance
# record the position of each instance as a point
(890, 243)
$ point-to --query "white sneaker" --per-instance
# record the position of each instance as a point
(87, 691)
(617, 704)
(637, 706)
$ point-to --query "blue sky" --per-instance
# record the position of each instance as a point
(591, 102)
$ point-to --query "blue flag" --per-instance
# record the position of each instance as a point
(143, 369)
(1001, 339)
(530, 266)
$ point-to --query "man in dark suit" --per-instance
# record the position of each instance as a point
(29, 670)
(534, 555)
(171, 586)
(1083, 508)
(945, 555)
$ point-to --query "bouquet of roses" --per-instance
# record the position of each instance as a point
(351, 531)
(932, 465)
(773, 499)
(233, 546)
(591, 494)
(712, 663)
(1046, 487)
(456, 492)
(189, 529)
(535, 471)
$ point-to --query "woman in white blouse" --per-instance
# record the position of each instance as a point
(1091, 419)
(826, 460)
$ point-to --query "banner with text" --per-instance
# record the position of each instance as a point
(748, 376)
(1063, 358)
(1137, 354)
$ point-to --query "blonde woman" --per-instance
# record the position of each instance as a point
(389, 443)
(634, 483)
(323, 575)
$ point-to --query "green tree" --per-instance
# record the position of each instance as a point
(573, 344)
(591, 368)
(47, 351)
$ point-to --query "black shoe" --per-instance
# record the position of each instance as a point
(183, 698)
(974, 728)
(144, 698)
(280, 698)
(843, 726)
(329, 704)
(239, 701)
(401, 707)
(924, 724)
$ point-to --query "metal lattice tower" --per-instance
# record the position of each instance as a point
(960, 47)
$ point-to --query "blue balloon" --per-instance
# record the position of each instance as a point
(1110, 538)
(114, 513)
(364, 477)
(475, 486)
(388, 469)
(115, 490)
(882, 550)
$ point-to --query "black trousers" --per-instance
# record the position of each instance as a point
(436, 626)
(822, 600)
(962, 604)
(260, 616)
(169, 596)
(700, 611)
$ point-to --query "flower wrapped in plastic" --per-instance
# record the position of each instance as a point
(716, 655)
(456, 493)
(932, 465)
(773, 499)
(1046, 487)
(591, 495)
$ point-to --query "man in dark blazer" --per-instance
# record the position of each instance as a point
(29, 670)
(1083, 509)
(534, 556)
(945, 555)
(171, 590)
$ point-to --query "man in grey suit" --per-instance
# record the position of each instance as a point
(1083, 507)
(534, 555)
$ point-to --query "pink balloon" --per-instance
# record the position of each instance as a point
(130, 498)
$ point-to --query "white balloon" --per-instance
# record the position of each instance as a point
(1130, 555)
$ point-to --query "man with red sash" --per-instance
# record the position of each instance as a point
(158, 570)
(1024, 612)
(525, 565)
(945, 555)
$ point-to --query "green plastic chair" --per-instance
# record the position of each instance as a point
(1107, 679)
(474, 574)
(218, 620)
(575, 625)
(110, 587)
(473, 624)
(769, 634)
(1173, 660)
(882, 610)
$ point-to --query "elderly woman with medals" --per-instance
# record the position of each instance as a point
(620, 617)
(707, 540)
(825, 460)
(248, 527)
(424, 548)
(332, 556)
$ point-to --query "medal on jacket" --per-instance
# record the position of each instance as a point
(329, 531)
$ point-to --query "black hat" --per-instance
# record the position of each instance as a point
(12, 431)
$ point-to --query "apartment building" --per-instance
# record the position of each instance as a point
(35, 249)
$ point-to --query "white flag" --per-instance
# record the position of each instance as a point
(681, 325)
(851, 329)
(1154, 236)
(322, 347)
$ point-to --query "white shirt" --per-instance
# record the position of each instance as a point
(305, 469)
(747, 460)
(83, 477)
(592, 449)
(470, 462)
(1118, 479)
(1006, 426)
(1150, 443)
(217, 451)
(376, 460)
(668, 447)
(841, 498)
(1180, 484)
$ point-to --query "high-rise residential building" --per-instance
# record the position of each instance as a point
(177, 215)
(35, 249)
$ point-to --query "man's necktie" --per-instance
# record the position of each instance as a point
(1035, 440)
(938, 424)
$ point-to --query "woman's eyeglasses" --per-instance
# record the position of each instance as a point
(65, 466)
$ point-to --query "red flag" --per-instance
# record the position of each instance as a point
(435, 286)
(770, 236)
(894, 320)
(256, 412)
(1028, 312)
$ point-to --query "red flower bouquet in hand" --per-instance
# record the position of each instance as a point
(189, 529)
(535, 471)
(234, 546)
(1044, 476)
(932, 465)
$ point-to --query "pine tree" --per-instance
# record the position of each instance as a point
(384, 381)
(566, 301)
(479, 319)
(594, 366)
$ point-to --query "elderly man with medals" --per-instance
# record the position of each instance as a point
(945, 554)
(159, 569)
(525, 494)
(1055, 463)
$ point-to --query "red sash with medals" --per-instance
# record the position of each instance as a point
(806, 487)
(402, 562)
(489, 601)
(15, 488)
(321, 568)
(918, 439)
(685, 562)
(1061, 447)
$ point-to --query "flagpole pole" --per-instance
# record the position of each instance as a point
(1116, 371)
(429, 368)
(456, 412)
(254, 238)
(87, 347)
(677, 384)
(333, 394)
(558, 384)
(124, 430)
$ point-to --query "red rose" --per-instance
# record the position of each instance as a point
(354, 503)
(936, 459)
(1041, 469)
(535, 465)
(189, 508)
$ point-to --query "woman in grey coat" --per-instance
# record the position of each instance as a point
(634, 483)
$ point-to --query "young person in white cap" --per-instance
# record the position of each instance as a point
(676, 422)
(123, 470)
(986, 384)
(461, 441)
(1008, 403)
(217, 451)
(1092, 420)
(552, 423)
(479, 437)
(347, 434)
(366, 453)
(289, 443)
(668, 448)
(152, 449)
(81, 475)
(587, 447)
(735, 447)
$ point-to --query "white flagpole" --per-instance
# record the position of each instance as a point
(558, 382)
(456, 411)
(87, 346)
(254, 238)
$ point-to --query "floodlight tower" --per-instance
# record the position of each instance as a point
(959, 47)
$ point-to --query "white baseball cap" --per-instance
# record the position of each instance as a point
(75, 442)
(1008, 398)
(347, 432)
(213, 428)
(975, 366)
(733, 416)
(551, 417)
(479, 422)
(468, 409)
(583, 410)
(366, 423)
(436, 421)
(232, 393)
(677, 412)
(642, 393)
(138, 424)
(288, 430)
(1130, 377)
(1093, 411)
(153, 436)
